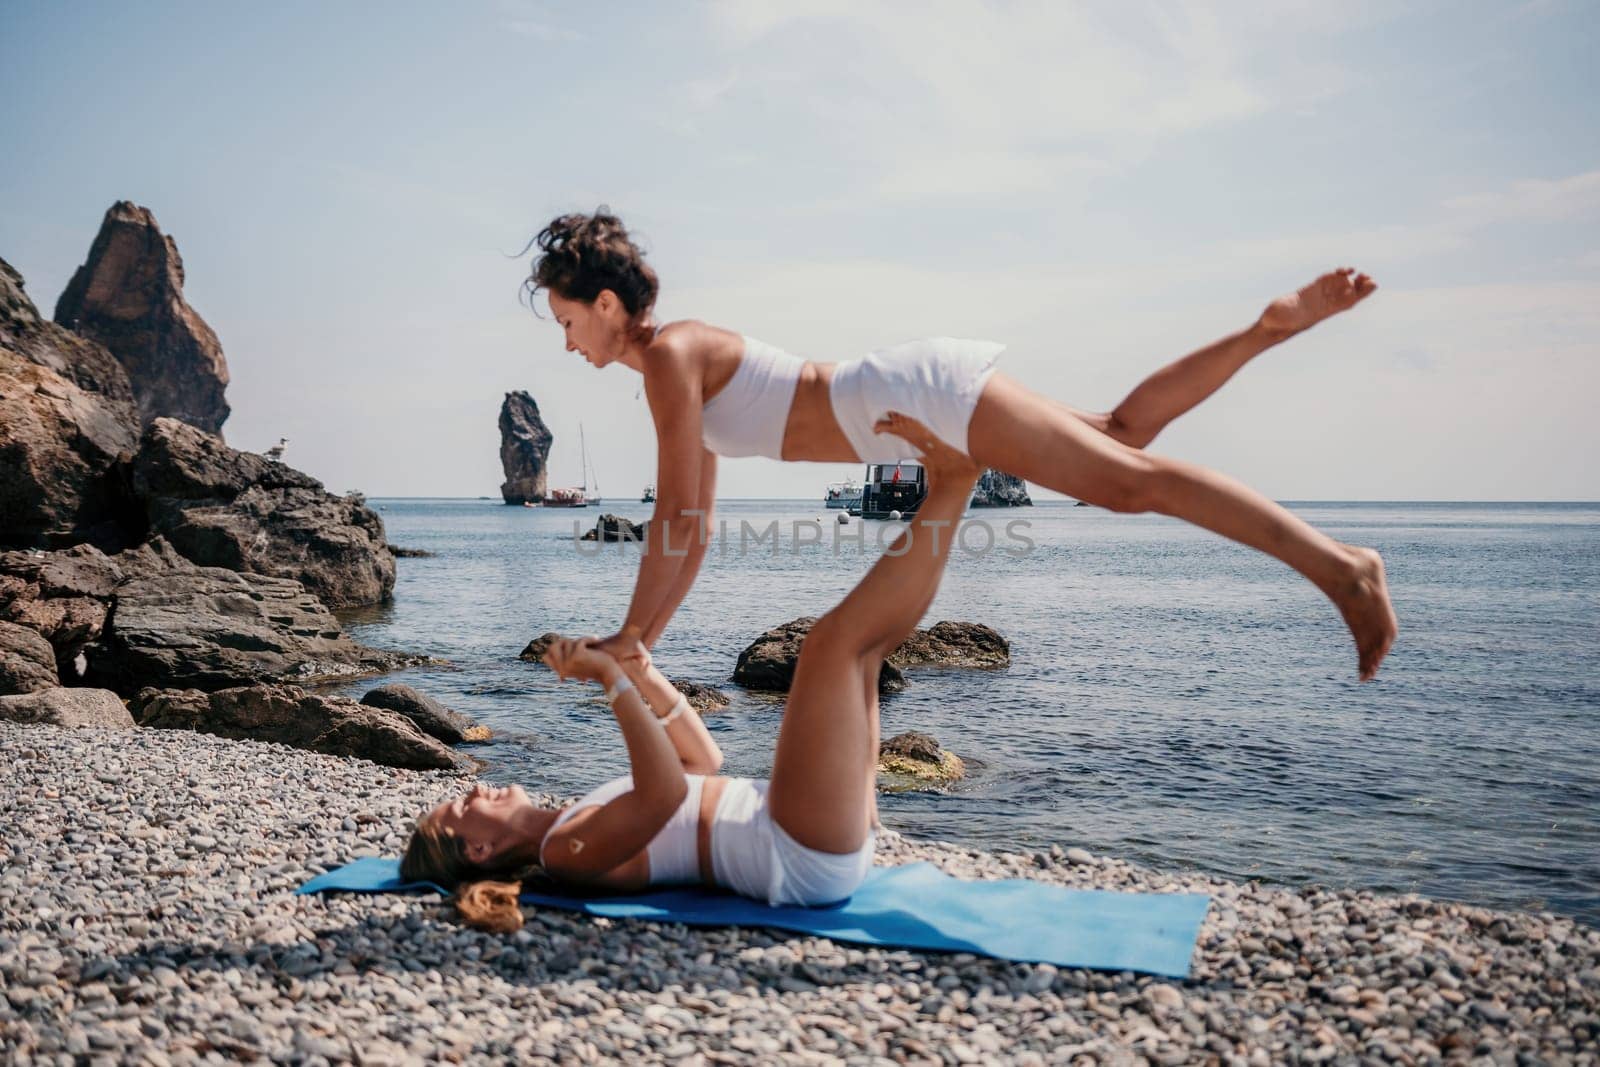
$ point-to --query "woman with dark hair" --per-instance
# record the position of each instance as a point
(806, 836)
(714, 392)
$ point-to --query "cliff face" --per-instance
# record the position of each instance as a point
(67, 430)
(524, 449)
(128, 296)
(996, 489)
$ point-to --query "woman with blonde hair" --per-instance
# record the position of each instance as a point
(715, 392)
(805, 836)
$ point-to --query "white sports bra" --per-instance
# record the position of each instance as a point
(748, 416)
(741, 853)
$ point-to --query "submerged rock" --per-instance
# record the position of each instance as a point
(524, 450)
(288, 715)
(612, 528)
(702, 698)
(432, 717)
(411, 553)
(224, 508)
(769, 662)
(128, 296)
(535, 650)
(68, 707)
(953, 644)
(914, 760)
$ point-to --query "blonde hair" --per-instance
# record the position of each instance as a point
(485, 896)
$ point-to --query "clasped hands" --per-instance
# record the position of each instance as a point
(591, 659)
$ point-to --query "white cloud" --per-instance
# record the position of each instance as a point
(1571, 199)
(961, 97)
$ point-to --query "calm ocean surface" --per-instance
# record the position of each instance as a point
(1173, 699)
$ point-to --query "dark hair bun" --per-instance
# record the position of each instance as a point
(580, 255)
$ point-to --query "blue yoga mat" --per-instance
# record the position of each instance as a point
(912, 906)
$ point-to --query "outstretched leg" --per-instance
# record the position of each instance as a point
(822, 776)
(1021, 432)
(1179, 386)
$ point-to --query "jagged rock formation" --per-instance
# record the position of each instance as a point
(524, 450)
(64, 597)
(173, 624)
(67, 427)
(288, 715)
(221, 507)
(997, 489)
(128, 296)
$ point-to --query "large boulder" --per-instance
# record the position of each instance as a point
(221, 507)
(953, 644)
(288, 715)
(67, 429)
(524, 449)
(27, 662)
(128, 296)
(181, 626)
(769, 662)
(997, 489)
(68, 707)
(431, 717)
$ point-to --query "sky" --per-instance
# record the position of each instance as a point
(1101, 186)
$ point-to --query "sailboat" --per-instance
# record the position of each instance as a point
(579, 497)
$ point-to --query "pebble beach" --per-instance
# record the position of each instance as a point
(146, 882)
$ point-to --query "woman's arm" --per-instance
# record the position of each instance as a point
(688, 734)
(672, 385)
(689, 567)
(597, 840)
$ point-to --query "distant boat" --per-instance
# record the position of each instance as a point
(649, 496)
(579, 497)
(893, 490)
(845, 496)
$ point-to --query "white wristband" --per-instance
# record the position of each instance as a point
(616, 689)
(677, 709)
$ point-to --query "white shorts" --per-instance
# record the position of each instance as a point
(936, 381)
(751, 854)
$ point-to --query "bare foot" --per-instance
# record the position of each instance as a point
(1336, 291)
(1364, 603)
(945, 466)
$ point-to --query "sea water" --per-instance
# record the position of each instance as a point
(1173, 699)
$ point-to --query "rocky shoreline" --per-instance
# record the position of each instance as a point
(146, 880)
